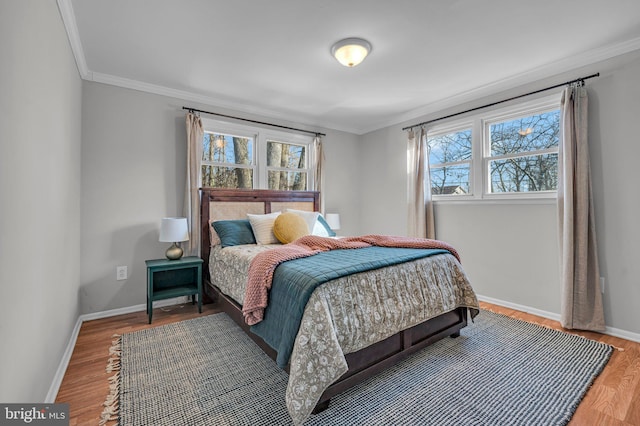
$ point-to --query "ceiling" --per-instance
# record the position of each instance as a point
(272, 58)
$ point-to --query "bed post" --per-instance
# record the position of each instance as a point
(205, 234)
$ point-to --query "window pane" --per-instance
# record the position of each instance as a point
(289, 181)
(450, 180)
(450, 147)
(285, 155)
(226, 177)
(219, 148)
(525, 174)
(533, 133)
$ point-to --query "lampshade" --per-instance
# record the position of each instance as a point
(174, 229)
(333, 220)
(351, 51)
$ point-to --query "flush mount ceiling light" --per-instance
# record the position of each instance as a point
(351, 51)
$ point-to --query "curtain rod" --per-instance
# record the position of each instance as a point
(253, 121)
(577, 80)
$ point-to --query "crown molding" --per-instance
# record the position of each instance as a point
(517, 80)
(69, 20)
(545, 71)
(209, 100)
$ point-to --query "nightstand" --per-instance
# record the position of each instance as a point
(173, 278)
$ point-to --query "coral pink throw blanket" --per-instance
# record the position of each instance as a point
(263, 266)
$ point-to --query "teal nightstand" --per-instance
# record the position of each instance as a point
(173, 278)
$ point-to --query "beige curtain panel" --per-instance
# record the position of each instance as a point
(318, 184)
(195, 134)
(420, 219)
(581, 298)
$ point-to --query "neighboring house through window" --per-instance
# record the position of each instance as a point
(508, 153)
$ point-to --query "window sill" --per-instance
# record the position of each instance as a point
(498, 200)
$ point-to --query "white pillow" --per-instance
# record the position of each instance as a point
(319, 230)
(262, 226)
(315, 226)
(310, 217)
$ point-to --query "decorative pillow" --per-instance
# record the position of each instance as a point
(214, 239)
(234, 232)
(322, 228)
(289, 227)
(309, 217)
(262, 225)
(316, 222)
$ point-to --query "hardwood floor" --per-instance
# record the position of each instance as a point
(614, 398)
(86, 383)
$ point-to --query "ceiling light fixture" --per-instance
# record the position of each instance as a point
(351, 51)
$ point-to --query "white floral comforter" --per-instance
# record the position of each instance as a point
(351, 313)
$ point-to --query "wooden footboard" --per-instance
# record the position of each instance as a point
(370, 360)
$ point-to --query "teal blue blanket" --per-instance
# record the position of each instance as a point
(295, 280)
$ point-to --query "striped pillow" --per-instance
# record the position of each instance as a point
(262, 225)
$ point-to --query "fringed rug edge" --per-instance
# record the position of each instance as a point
(112, 402)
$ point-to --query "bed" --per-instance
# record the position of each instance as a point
(329, 357)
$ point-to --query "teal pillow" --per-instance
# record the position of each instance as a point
(234, 232)
(326, 226)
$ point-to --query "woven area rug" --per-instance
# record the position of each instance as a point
(500, 371)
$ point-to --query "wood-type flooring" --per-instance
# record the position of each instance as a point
(614, 398)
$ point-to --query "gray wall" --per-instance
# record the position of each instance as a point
(40, 133)
(133, 174)
(510, 251)
(614, 115)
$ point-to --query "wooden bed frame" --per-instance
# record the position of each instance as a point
(363, 363)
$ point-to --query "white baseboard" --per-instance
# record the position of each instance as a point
(134, 308)
(527, 309)
(66, 357)
(64, 363)
(611, 331)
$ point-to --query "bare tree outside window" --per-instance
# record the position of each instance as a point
(450, 162)
(286, 166)
(505, 153)
(524, 153)
(227, 161)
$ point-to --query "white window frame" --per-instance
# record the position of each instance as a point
(290, 139)
(232, 131)
(260, 137)
(454, 127)
(479, 173)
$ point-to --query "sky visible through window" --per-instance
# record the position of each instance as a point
(220, 148)
(522, 156)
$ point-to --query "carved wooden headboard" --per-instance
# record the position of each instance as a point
(225, 204)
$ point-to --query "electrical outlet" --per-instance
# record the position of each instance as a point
(121, 273)
(602, 285)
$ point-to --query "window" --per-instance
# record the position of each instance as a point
(450, 162)
(512, 152)
(235, 156)
(524, 153)
(227, 161)
(286, 166)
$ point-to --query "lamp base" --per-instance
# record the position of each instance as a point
(174, 252)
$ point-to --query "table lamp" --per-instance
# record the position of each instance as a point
(174, 230)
